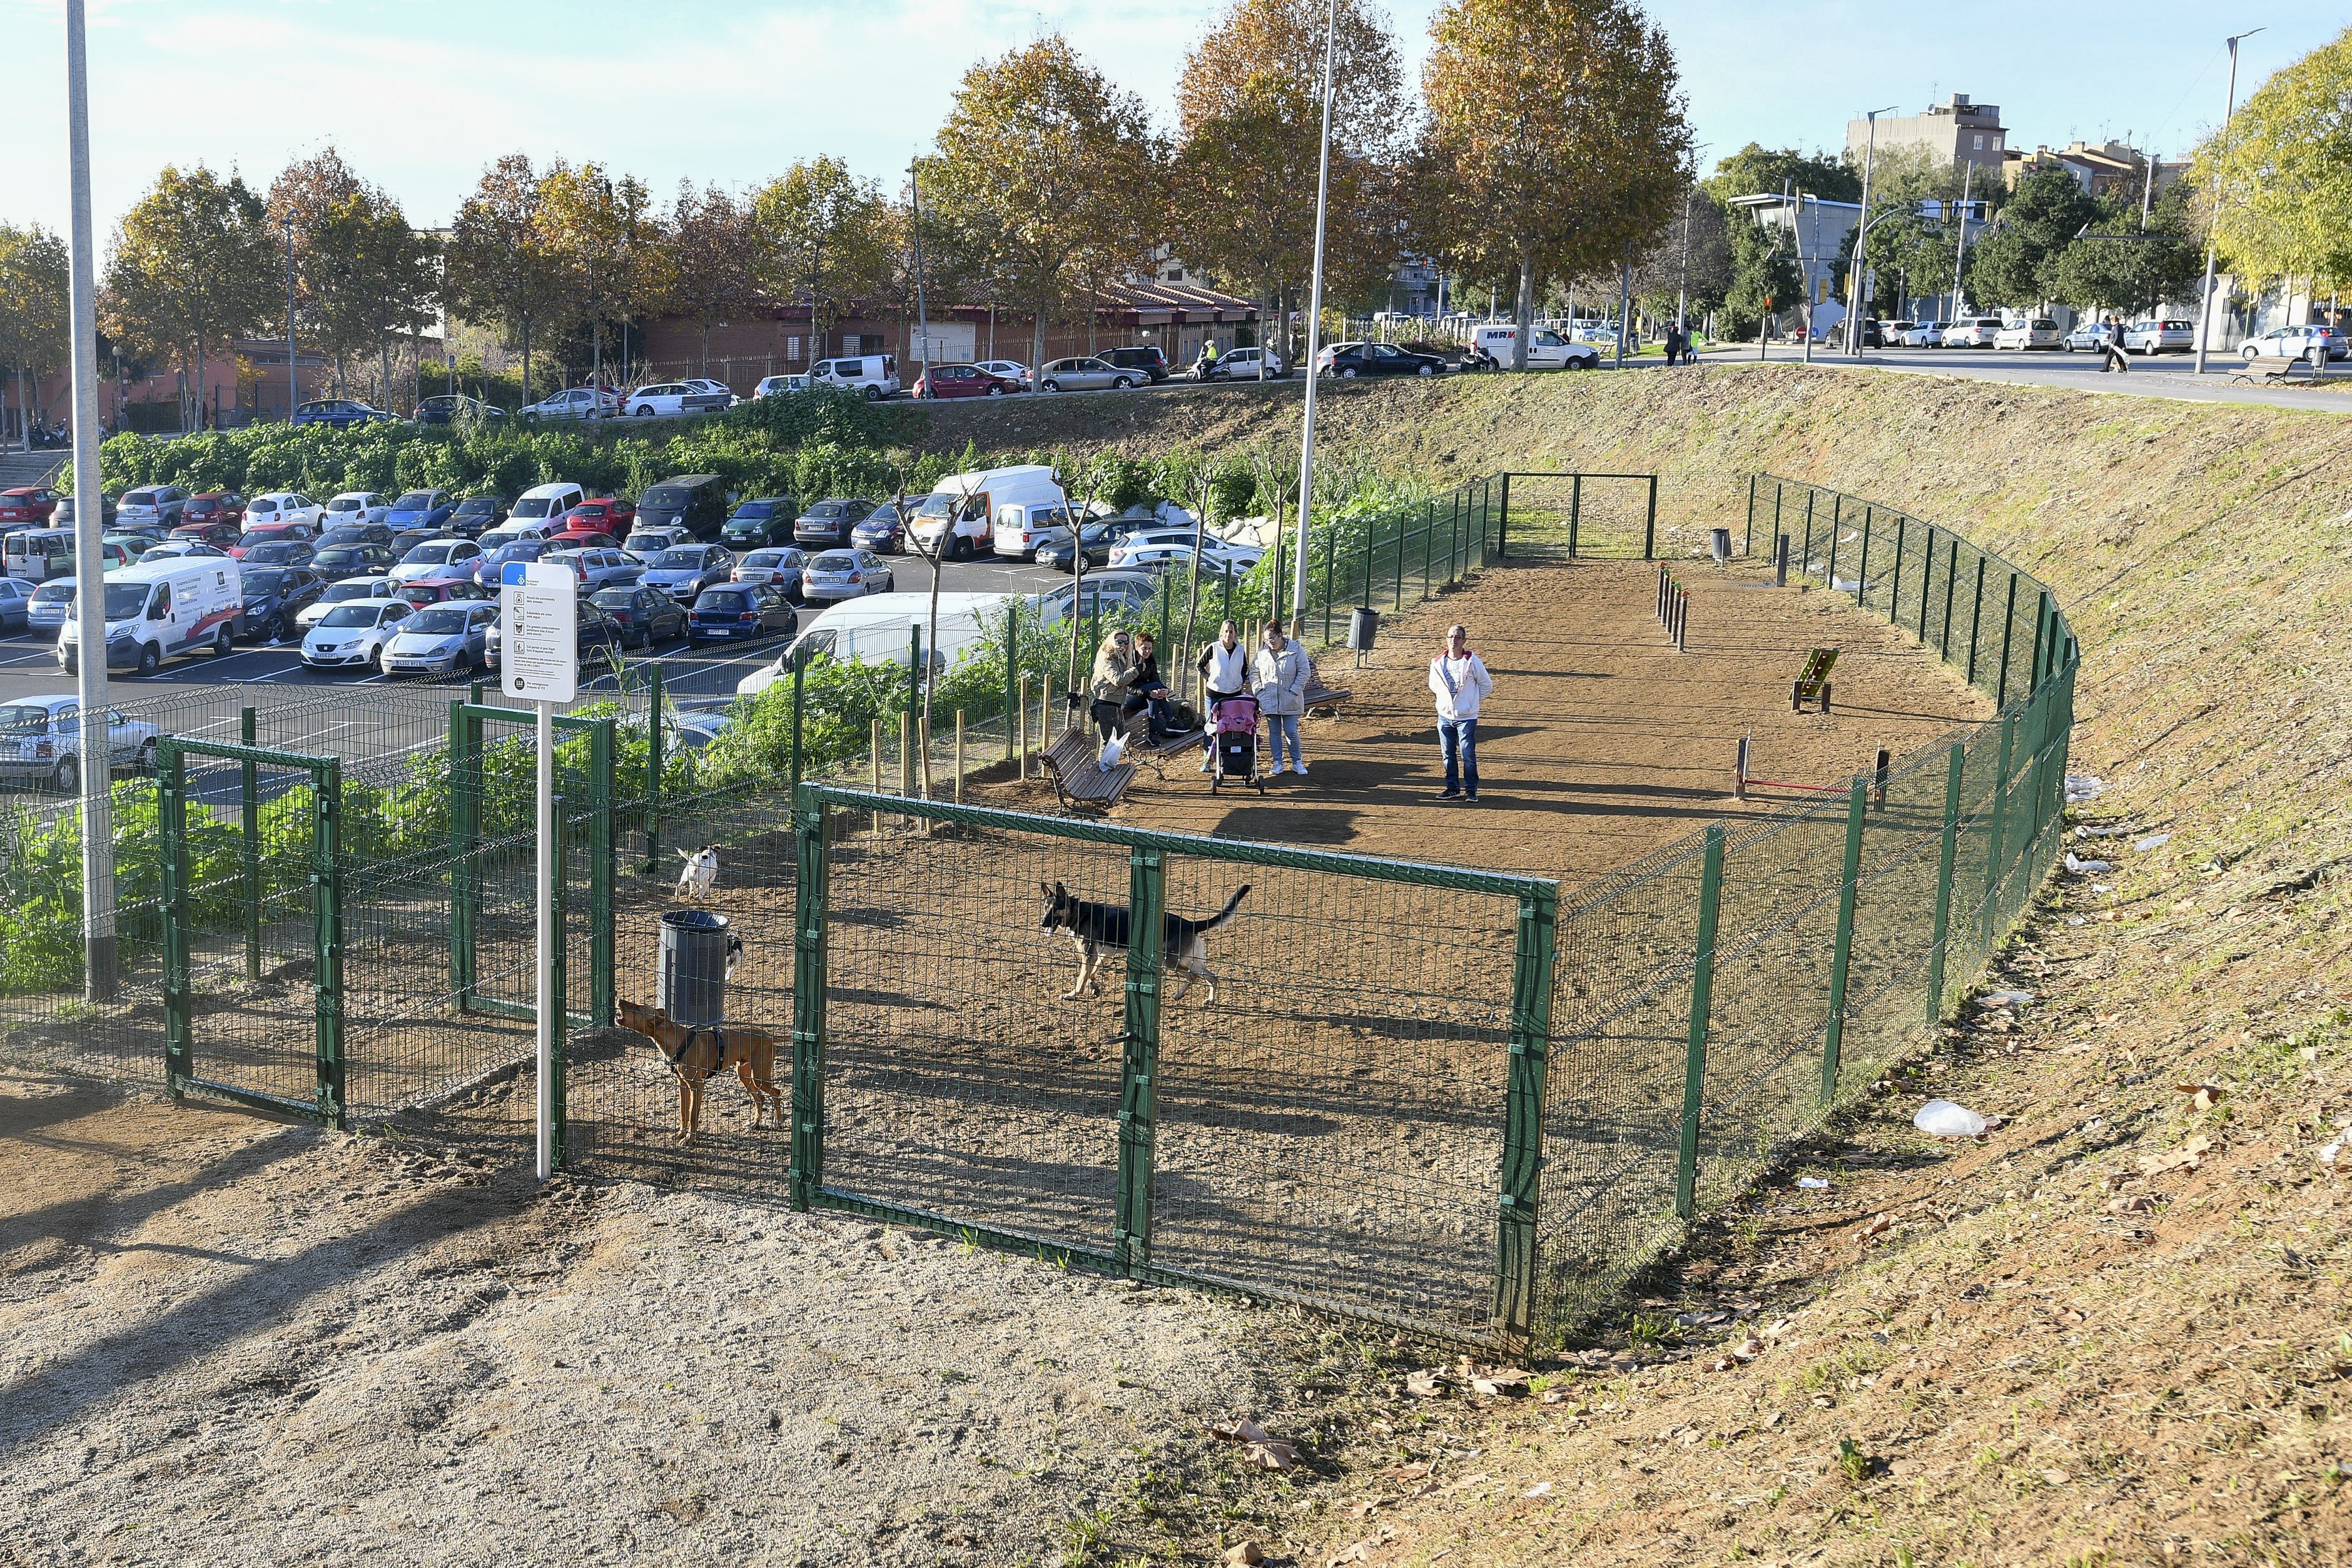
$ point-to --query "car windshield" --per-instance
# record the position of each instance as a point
(442, 620)
(533, 506)
(678, 561)
(340, 592)
(765, 558)
(664, 496)
(353, 615)
(139, 498)
(724, 599)
(520, 549)
(282, 550)
(341, 555)
(125, 600)
(23, 715)
(939, 504)
(615, 597)
(431, 552)
(263, 581)
(754, 511)
(828, 509)
(475, 504)
(415, 501)
(256, 537)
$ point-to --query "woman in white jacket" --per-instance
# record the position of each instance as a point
(1282, 671)
(1224, 666)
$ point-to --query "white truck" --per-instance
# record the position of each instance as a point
(1546, 350)
(958, 517)
(173, 608)
(876, 630)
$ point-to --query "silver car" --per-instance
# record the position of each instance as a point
(845, 574)
(683, 572)
(1084, 373)
(2161, 337)
(440, 639)
(151, 508)
(40, 741)
(596, 568)
(51, 602)
(781, 567)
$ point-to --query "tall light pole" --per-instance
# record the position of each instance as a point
(90, 518)
(293, 387)
(1314, 336)
(922, 314)
(1862, 231)
(2205, 299)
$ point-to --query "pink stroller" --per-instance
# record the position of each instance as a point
(1233, 727)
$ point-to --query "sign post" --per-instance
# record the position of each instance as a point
(539, 657)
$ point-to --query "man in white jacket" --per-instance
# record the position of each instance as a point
(1458, 679)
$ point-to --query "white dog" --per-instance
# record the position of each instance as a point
(699, 874)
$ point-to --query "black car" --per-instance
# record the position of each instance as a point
(830, 520)
(409, 539)
(447, 408)
(695, 502)
(1145, 360)
(273, 596)
(477, 515)
(1352, 359)
(740, 612)
(884, 533)
(351, 560)
(598, 630)
(643, 616)
(278, 552)
(766, 521)
(356, 534)
(1059, 555)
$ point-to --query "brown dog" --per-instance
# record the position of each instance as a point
(694, 1055)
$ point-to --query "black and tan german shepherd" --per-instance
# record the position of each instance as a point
(1101, 929)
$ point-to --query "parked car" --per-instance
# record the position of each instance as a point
(171, 609)
(445, 640)
(872, 376)
(1351, 360)
(336, 593)
(273, 596)
(37, 554)
(220, 532)
(844, 574)
(695, 502)
(1884, 334)
(2153, 337)
(1546, 350)
(281, 506)
(1143, 359)
(673, 398)
(222, 510)
(478, 514)
(1023, 527)
(2308, 341)
(962, 380)
(883, 531)
(351, 560)
(40, 741)
(436, 558)
(777, 386)
(715, 389)
(598, 640)
(645, 543)
(352, 636)
(154, 507)
(1240, 365)
(829, 521)
(596, 569)
(2038, 332)
(643, 616)
(601, 514)
(740, 612)
(339, 413)
(1086, 373)
(63, 518)
(485, 569)
(409, 539)
(26, 506)
(683, 572)
(134, 547)
(454, 408)
(1097, 595)
(2090, 334)
(1061, 554)
(50, 603)
(1922, 335)
(257, 535)
(1011, 370)
(427, 591)
(356, 506)
(15, 604)
(765, 522)
(277, 552)
(421, 509)
(364, 534)
(539, 507)
(176, 546)
(1972, 332)
(778, 567)
(579, 402)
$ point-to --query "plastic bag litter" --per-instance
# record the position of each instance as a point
(2076, 920)
(2005, 1000)
(1942, 1119)
(2103, 888)
(1844, 586)
(2082, 865)
(2084, 787)
(2101, 833)
(2330, 1153)
(2153, 841)
(1813, 1184)
(1113, 749)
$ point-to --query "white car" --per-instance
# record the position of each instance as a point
(1012, 371)
(1240, 365)
(356, 506)
(670, 399)
(716, 388)
(1972, 332)
(1216, 558)
(2294, 343)
(1922, 335)
(351, 636)
(438, 558)
(777, 386)
(344, 593)
(282, 507)
(580, 402)
(2040, 332)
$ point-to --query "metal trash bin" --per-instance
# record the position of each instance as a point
(1363, 625)
(1719, 544)
(694, 967)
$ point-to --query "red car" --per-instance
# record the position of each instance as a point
(27, 505)
(263, 533)
(583, 535)
(604, 514)
(210, 531)
(223, 507)
(962, 380)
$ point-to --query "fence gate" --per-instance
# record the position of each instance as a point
(252, 904)
(1569, 516)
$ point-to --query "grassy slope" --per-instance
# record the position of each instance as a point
(2049, 1357)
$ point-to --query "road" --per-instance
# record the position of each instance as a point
(2164, 376)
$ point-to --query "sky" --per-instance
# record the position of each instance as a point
(420, 95)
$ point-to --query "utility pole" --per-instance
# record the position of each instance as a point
(90, 521)
(1681, 288)
(1967, 174)
(922, 316)
(1313, 337)
(293, 390)
(2205, 299)
(1861, 233)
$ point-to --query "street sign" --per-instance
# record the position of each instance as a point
(539, 632)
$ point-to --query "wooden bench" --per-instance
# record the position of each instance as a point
(2257, 371)
(1813, 684)
(1079, 780)
(1323, 701)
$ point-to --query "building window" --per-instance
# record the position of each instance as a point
(792, 348)
(1979, 141)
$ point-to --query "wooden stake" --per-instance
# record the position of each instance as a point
(1020, 718)
(878, 774)
(959, 767)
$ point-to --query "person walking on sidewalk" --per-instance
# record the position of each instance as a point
(1458, 679)
(2111, 348)
(1281, 671)
(1225, 673)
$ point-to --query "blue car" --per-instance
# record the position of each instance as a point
(422, 509)
(341, 413)
(486, 571)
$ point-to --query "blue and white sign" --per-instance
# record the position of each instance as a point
(539, 632)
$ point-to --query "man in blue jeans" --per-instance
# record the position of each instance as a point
(1458, 679)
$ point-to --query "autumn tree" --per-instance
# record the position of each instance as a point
(709, 277)
(1059, 169)
(35, 329)
(1690, 261)
(1249, 114)
(500, 267)
(362, 277)
(194, 269)
(2276, 180)
(607, 245)
(1556, 135)
(820, 234)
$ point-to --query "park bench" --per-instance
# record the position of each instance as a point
(1079, 780)
(1813, 684)
(2257, 371)
(1323, 701)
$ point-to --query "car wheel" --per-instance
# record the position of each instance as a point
(1424, 370)
(873, 395)
(996, 392)
(645, 411)
(2250, 353)
(151, 658)
(66, 778)
(145, 759)
(1120, 383)
(1347, 373)
(1050, 384)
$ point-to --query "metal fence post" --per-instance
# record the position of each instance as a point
(1710, 890)
(1747, 539)
(1650, 523)
(1014, 717)
(1894, 586)
(1837, 521)
(1502, 523)
(1841, 959)
(604, 867)
(2008, 631)
(915, 668)
(1862, 572)
(1805, 568)
(179, 1014)
(799, 709)
(1951, 580)
(1777, 488)
(249, 815)
(1985, 919)
(1400, 561)
(465, 833)
(807, 1167)
(1926, 582)
(1948, 851)
(559, 1026)
(1147, 901)
(1976, 615)
(653, 768)
(1523, 1105)
(326, 956)
(1575, 510)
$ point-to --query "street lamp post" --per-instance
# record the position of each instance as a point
(1960, 251)
(2205, 299)
(1314, 340)
(1862, 227)
(293, 388)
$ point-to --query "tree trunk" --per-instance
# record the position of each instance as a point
(23, 410)
(386, 351)
(1523, 311)
(186, 422)
(1037, 348)
(1202, 487)
(526, 362)
(706, 348)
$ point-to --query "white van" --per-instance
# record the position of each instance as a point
(539, 506)
(968, 504)
(876, 375)
(1022, 525)
(170, 609)
(1546, 350)
(875, 630)
(37, 554)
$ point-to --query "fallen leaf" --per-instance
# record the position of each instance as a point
(1427, 1383)
(1747, 1349)
(1504, 1380)
(1242, 1431)
(2183, 1158)
(2137, 1203)
(1270, 1455)
(2055, 1477)
(1877, 1224)
(1412, 1472)
(1246, 1552)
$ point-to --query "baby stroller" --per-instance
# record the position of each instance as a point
(1233, 726)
